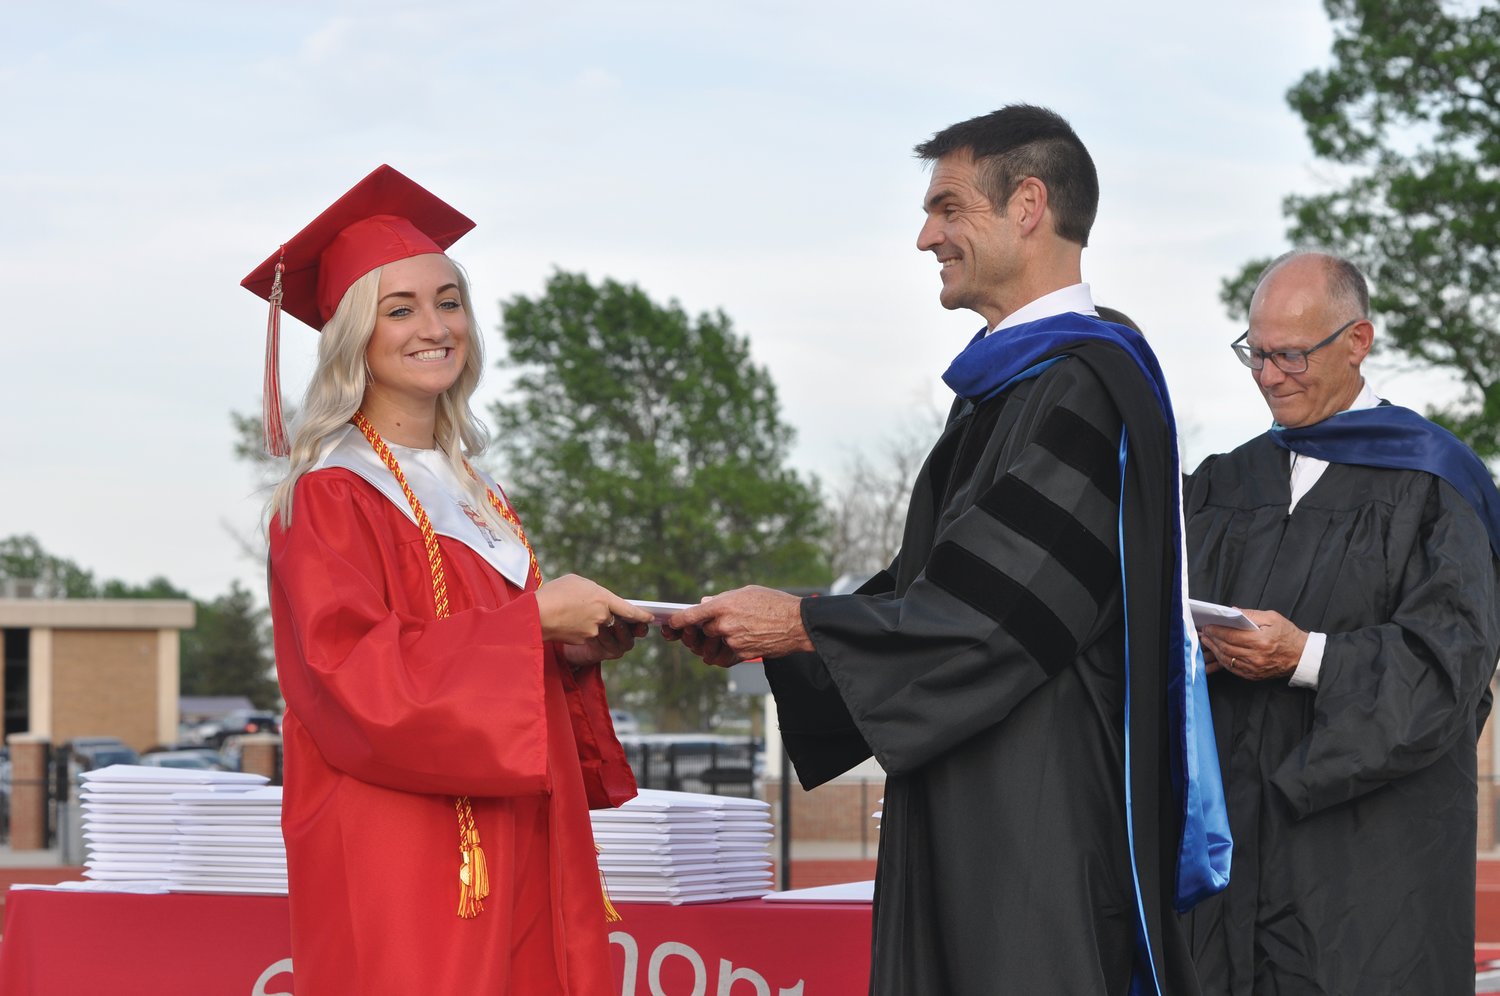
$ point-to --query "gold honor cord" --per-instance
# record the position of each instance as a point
(473, 873)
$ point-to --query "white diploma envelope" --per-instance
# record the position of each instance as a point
(1211, 614)
(660, 611)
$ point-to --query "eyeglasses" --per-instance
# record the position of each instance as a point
(1292, 361)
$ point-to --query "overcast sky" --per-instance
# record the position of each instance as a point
(754, 157)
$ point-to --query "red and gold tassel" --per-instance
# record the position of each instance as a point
(273, 427)
(611, 915)
(474, 874)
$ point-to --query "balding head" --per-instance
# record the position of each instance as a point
(1301, 300)
(1343, 284)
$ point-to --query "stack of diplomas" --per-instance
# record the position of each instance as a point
(229, 842)
(133, 819)
(684, 847)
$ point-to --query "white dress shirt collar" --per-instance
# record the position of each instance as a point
(1075, 297)
(1366, 398)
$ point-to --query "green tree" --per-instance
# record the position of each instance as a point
(250, 447)
(647, 452)
(157, 587)
(228, 651)
(1410, 110)
(23, 560)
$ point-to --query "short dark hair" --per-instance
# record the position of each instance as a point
(1020, 140)
(1116, 316)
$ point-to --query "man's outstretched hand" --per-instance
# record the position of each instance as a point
(741, 625)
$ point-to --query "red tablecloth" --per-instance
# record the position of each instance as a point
(64, 943)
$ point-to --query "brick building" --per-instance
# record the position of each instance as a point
(92, 667)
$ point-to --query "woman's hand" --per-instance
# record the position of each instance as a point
(576, 611)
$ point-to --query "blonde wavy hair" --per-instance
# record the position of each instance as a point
(338, 388)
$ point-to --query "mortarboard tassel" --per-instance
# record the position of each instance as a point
(273, 427)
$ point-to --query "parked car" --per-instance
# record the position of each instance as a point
(199, 733)
(88, 753)
(85, 743)
(242, 721)
(624, 721)
(214, 759)
(192, 759)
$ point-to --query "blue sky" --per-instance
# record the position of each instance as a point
(751, 157)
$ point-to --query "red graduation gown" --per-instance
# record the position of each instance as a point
(390, 714)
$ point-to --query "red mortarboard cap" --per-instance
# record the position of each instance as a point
(383, 218)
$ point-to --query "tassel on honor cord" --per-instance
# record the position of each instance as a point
(611, 915)
(473, 873)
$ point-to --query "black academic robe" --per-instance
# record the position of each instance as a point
(1353, 804)
(984, 671)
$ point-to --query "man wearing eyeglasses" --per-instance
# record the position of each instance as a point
(1360, 539)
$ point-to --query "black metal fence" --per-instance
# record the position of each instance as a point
(715, 765)
(722, 766)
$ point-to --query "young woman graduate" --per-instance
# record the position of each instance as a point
(446, 727)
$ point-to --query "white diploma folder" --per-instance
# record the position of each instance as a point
(1211, 614)
(660, 611)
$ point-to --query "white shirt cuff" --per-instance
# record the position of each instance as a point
(1311, 662)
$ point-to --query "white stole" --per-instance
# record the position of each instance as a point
(432, 480)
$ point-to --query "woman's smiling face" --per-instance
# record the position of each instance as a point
(421, 335)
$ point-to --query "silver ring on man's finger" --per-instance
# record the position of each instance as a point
(1232, 662)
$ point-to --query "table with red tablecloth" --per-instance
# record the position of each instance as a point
(63, 943)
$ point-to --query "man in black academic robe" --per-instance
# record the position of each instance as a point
(989, 667)
(1361, 541)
